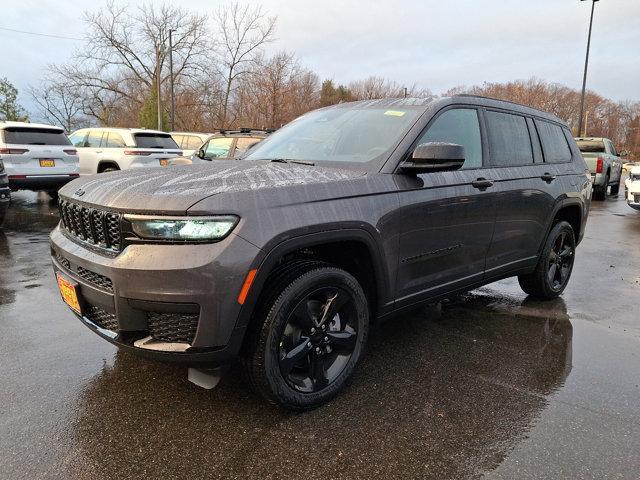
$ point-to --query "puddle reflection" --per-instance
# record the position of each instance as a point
(446, 395)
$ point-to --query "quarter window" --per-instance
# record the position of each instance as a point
(191, 142)
(77, 139)
(554, 143)
(509, 140)
(115, 140)
(93, 139)
(459, 126)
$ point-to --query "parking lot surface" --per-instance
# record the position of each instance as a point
(489, 384)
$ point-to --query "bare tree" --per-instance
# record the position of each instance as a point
(59, 104)
(243, 30)
(126, 53)
(379, 87)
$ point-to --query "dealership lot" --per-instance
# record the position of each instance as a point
(491, 383)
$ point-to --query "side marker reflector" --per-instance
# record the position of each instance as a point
(247, 285)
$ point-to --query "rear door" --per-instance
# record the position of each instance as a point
(38, 151)
(527, 188)
(447, 217)
(90, 152)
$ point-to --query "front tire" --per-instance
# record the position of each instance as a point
(304, 350)
(555, 265)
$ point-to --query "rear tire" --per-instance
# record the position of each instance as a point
(555, 264)
(308, 334)
(53, 194)
(600, 193)
(615, 189)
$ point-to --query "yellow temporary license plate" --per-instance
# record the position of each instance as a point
(69, 294)
(164, 162)
(47, 162)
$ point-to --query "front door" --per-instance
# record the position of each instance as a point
(447, 217)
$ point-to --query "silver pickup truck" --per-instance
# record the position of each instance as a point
(604, 164)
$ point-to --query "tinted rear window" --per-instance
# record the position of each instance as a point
(34, 136)
(554, 143)
(509, 140)
(154, 140)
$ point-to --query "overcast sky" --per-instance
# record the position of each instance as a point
(433, 44)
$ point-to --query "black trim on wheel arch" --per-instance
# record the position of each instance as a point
(277, 250)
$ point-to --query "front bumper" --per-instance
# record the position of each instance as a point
(632, 193)
(127, 297)
(40, 182)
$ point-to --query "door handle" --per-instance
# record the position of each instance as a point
(98, 151)
(547, 177)
(482, 183)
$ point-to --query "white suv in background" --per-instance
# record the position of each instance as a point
(108, 149)
(37, 157)
(190, 142)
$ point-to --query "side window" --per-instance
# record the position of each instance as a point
(460, 126)
(114, 140)
(93, 139)
(555, 146)
(509, 140)
(179, 139)
(191, 142)
(243, 144)
(77, 139)
(218, 148)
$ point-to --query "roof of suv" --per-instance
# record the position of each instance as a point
(129, 130)
(430, 102)
(8, 124)
(243, 132)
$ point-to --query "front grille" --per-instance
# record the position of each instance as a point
(91, 225)
(103, 319)
(173, 327)
(95, 278)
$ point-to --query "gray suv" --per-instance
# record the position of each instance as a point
(345, 216)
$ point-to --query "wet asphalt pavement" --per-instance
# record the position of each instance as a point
(492, 384)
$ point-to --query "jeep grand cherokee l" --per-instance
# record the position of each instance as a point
(347, 215)
(104, 150)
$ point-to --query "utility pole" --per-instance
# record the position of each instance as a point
(158, 79)
(586, 125)
(173, 97)
(586, 65)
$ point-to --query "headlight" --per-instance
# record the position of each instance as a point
(185, 229)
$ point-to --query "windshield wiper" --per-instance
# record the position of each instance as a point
(287, 160)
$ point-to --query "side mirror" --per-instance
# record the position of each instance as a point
(435, 157)
(200, 153)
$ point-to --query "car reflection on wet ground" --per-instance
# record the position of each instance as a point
(491, 383)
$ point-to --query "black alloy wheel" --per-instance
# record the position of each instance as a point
(318, 340)
(560, 261)
(307, 335)
(555, 264)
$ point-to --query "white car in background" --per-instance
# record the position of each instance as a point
(110, 149)
(632, 188)
(37, 157)
(190, 142)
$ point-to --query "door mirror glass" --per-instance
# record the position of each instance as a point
(435, 157)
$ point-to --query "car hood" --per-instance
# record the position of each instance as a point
(174, 189)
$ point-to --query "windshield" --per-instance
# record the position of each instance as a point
(154, 140)
(337, 135)
(34, 136)
(591, 146)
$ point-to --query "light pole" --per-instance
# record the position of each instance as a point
(586, 65)
(173, 98)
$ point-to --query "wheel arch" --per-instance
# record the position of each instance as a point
(355, 250)
(103, 164)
